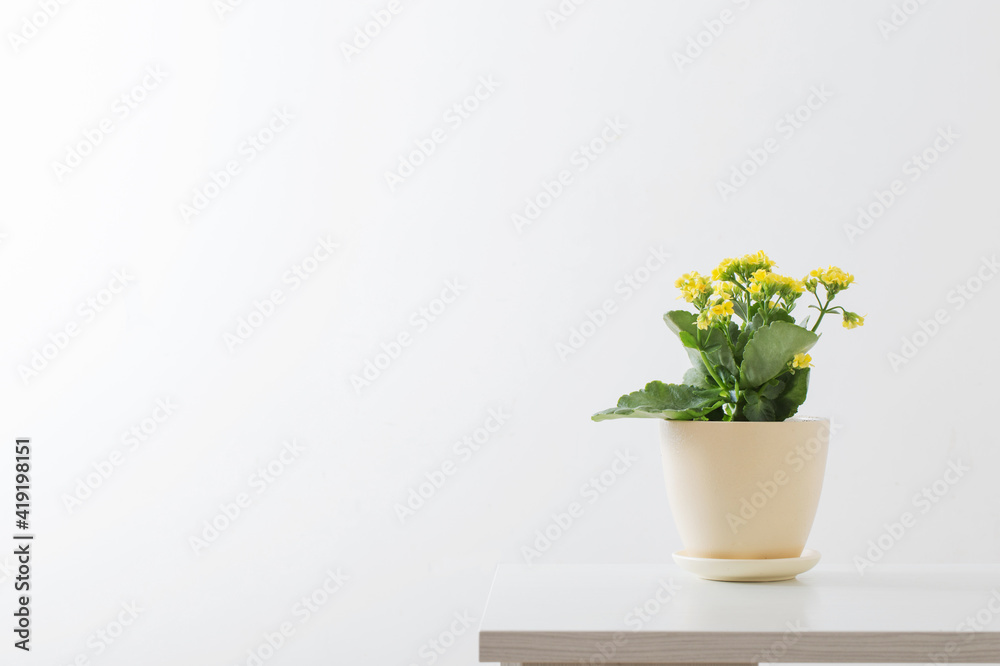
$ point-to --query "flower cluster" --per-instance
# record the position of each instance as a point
(720, 312)
(764, 284)
(833, 280)
(737, 284)
(748, 287)
(853, 320)
(694, 287)
(753, 369)
(728, 269)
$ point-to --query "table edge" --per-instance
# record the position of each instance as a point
(741, 646)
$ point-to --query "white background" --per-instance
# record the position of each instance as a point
(495, 347)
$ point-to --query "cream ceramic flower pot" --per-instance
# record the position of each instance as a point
(744, 490)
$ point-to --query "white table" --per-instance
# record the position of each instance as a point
(658, 614)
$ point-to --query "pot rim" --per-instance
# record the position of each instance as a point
(794, 419)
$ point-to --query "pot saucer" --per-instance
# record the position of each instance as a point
(747, 571)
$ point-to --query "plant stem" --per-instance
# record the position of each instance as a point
(822, 310)
(708, 366)
(729, 338)
(746, 298)
(731, 415)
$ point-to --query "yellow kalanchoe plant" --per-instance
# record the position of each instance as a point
(756, 370)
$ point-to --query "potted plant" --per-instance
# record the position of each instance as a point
(743, 476)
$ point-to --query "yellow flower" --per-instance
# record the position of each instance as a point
(760, 275)
(792, 286)
(837, 277)
(722, 271)
(714, 314)
(802, 361)
(787, 287)
(754, 288)
(723, 290)
(722, 310)
(833, 278)
(750, 263)
(693, 285)
(853, 320)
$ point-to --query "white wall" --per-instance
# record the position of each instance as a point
(494, 347)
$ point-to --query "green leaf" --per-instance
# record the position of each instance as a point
(780, 315)
(734, 329)
(713, 342)
(717, 349)
(743, 339)
(688, 340)
(679, 402)
(740, 309)
(758, 407)
(770, 350)
(772, 389)
(681, 320)
(717, 414)
(794, 394)
(698, 376)
(757, 315)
